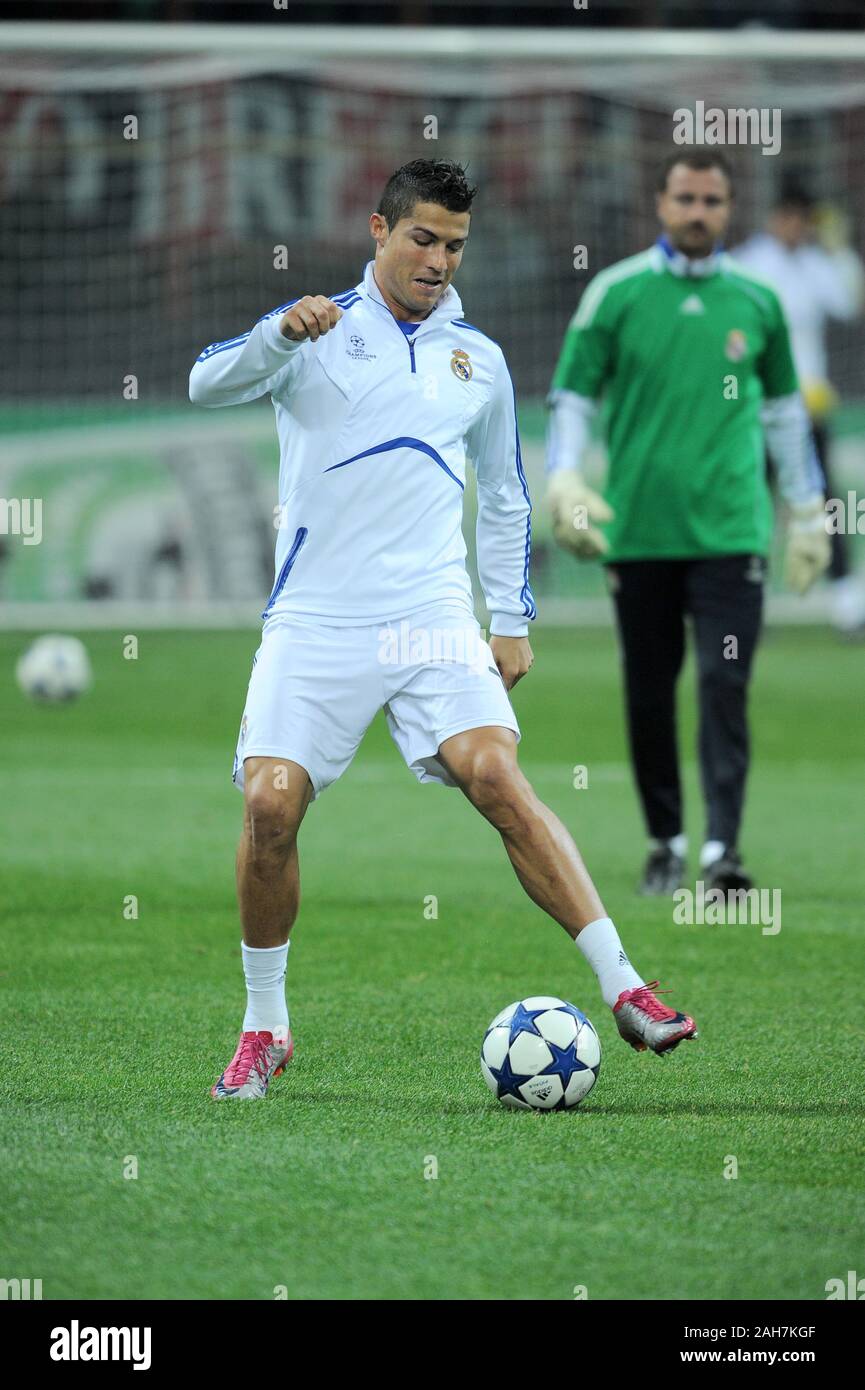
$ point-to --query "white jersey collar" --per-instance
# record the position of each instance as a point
(688, 267)
(448, 307)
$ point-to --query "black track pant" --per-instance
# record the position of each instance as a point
(839, 565)
(723, 597)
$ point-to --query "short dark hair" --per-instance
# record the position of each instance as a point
(795, 197)
(694, 159)
(425, 181)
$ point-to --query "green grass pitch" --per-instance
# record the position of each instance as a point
(115, 1028)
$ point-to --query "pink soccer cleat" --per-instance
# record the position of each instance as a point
(644, 1021)
(259, 1057)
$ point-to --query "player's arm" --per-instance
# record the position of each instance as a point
(791, 447)
(581, 371)
(270, 357)
(503, 527)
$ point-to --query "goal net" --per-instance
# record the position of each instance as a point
(163, 187)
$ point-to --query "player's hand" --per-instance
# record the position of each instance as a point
(832, 227)
(310, 318)
(513, 656)
(808, 546)
(575, 507)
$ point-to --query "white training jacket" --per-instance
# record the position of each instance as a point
(814, 286)
(374, 428)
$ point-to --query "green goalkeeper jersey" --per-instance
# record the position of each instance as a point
(683, 363)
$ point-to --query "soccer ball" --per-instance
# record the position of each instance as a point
(541, 1054)
(54, 668)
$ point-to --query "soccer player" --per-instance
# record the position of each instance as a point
(688, 350)
(380, 392)
(804, 253)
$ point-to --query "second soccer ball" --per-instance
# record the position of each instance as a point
(54, 669)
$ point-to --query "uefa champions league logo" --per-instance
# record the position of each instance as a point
(357, 349)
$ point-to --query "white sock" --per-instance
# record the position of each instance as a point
(600, 944)
(711, 853)
(264, 968)
(677, 843)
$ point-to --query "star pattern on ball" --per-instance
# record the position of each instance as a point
(523, 1021)
(509, 1080)
(565, 1062)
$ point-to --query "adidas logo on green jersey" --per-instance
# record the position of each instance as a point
(692, 305)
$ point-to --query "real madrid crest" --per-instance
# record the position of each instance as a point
(461, 364)
(736, 345)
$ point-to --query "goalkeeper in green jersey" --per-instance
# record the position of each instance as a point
(689, 354)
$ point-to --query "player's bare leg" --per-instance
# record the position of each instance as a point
(483, 763)
(276, 795)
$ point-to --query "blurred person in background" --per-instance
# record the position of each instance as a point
(805, 254)
(690, 355)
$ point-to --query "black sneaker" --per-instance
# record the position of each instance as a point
(663, 873)
(728, 873)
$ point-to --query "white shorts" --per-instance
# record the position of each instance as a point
(315, 689)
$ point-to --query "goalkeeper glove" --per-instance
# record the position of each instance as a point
(832, 227)
(820, 397)
(574, 507)
(808, 549)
